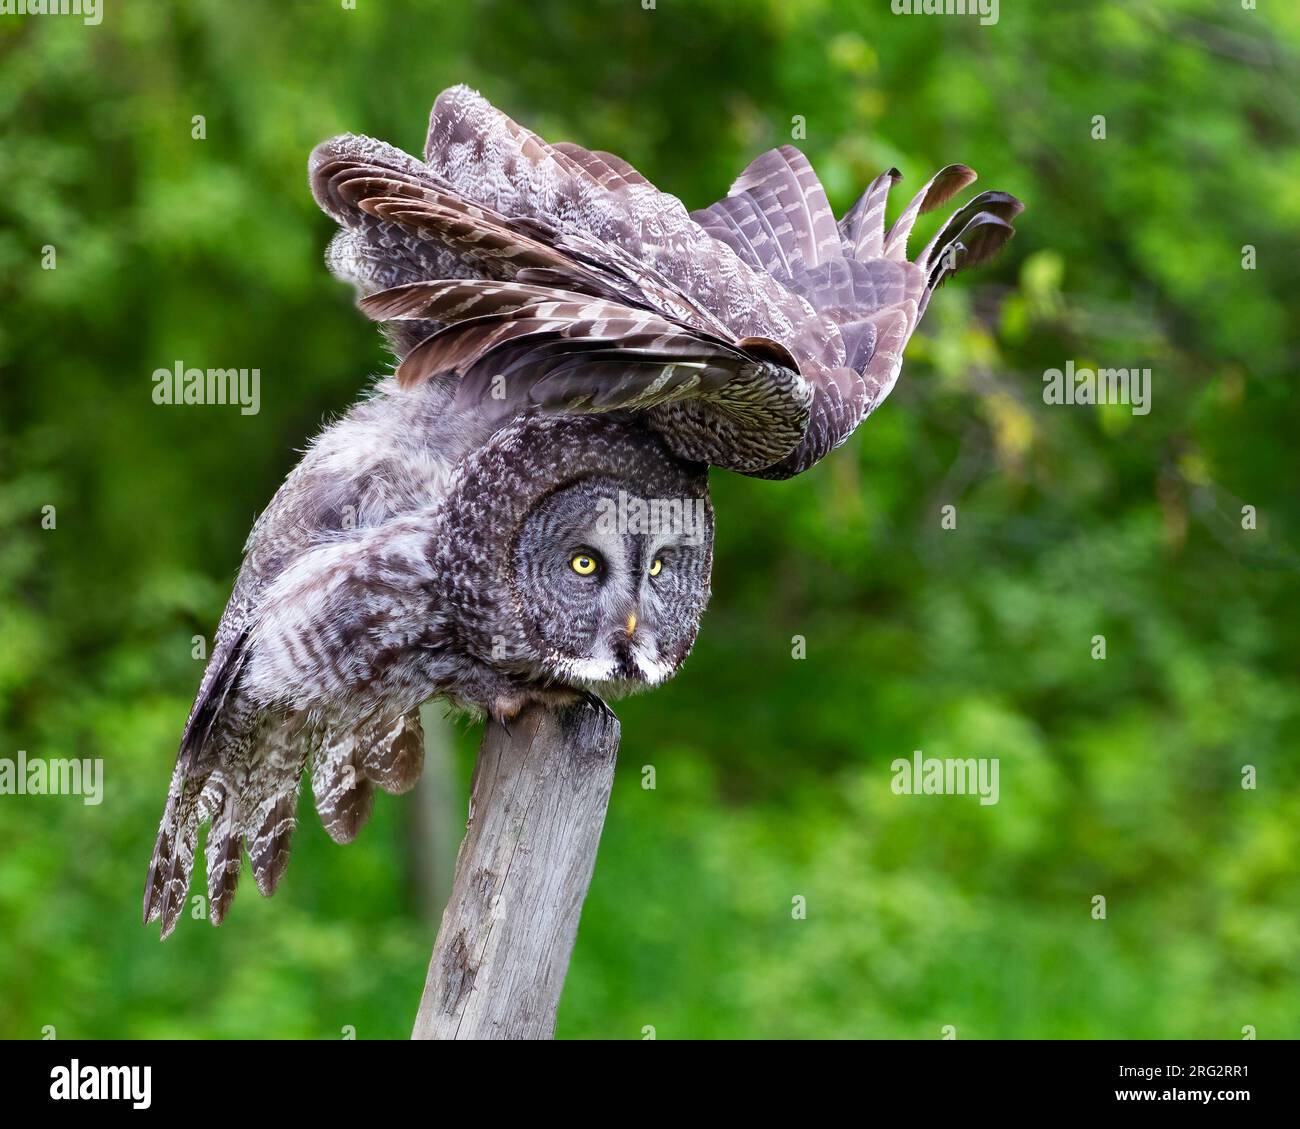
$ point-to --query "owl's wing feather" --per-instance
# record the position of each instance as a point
(780, 232)
(519, 347)
(482, 153)
(350, 761)
(607, 170)
(874, 295)
(403, 224)
(780, 207)
(939, 189)
(862, 228)
(173, 856)
(768, 263)
(587, 224)
(295, 685)
(743, 225)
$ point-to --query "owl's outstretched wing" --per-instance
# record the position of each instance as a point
(306, 684)
(795, 323)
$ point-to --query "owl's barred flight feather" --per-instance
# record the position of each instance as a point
(768, 263)
(567, 335)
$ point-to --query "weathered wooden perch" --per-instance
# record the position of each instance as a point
(537, 806)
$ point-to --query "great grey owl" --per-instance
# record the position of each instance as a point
(575, 350)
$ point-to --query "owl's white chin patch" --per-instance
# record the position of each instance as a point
(654, 671)
(589, 670)
(607, 676)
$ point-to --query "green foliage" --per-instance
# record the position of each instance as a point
(1119, 777)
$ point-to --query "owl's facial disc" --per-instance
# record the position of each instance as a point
(610, 584)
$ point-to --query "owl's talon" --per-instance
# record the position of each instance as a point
(505, 709)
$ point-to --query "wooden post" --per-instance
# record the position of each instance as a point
(537, 807)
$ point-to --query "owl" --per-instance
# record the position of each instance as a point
(519, 513)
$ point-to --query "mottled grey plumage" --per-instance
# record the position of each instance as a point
(569, 338)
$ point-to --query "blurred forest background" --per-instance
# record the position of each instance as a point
(1119, 777)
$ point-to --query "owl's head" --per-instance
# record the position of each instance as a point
(610, 579)
(596, 545)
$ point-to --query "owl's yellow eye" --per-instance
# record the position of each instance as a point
(657, 567)
(584, 564)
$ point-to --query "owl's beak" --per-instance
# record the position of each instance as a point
(631, 624)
